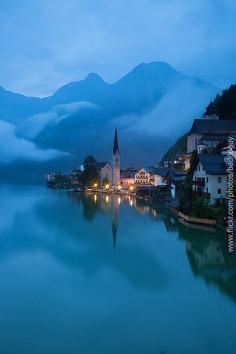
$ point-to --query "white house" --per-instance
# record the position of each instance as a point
(143, 177)
(160, 176)
(210, 178)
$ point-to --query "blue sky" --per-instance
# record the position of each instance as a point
(45, 44)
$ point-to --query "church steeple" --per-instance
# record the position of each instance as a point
(115, 145)
(115, 162)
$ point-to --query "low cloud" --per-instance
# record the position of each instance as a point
(15, 148)
(35, 124)
(173, 115)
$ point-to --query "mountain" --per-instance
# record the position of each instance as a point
(151, 106)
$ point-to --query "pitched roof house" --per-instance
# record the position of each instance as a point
(210, 177)
(211, 129)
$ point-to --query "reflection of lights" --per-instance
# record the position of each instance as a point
(95, 197)
(107, 199)
(119, 187)
(131, 188)
(131, 202)
(95, 185)
(107, 186)
(119, 200)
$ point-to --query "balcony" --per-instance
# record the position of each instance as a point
(200, 182)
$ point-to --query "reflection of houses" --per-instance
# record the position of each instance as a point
(209, 178)
(127, 177)
(144, 177)
(209, 260)
(209, 132)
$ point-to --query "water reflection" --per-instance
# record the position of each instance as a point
(208, 258)
(205, 247)
(106, 266)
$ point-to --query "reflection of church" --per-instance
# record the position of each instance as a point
(110, 172)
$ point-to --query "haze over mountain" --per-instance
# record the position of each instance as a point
(151, 106)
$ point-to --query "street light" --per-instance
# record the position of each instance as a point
(95, 185)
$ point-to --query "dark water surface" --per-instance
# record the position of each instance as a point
(101, 275)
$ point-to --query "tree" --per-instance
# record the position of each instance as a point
(90, 174)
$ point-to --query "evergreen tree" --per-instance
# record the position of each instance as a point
(90, 174)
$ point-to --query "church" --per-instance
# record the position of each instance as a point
(110, 172)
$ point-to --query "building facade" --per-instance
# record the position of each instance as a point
(210, 178)
(143, 177)
(105, 171)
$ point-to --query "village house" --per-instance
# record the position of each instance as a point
(144, 177)
(161, 176)
(127, 177)
(208, 133)
(210, 178)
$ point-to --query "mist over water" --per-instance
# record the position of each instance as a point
(109, 275)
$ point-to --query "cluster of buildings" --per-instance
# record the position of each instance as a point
(209, 138)
(158, 176)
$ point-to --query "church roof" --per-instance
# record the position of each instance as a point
(100, 165)
(115, 145)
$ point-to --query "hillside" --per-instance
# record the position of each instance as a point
(179, 147)
(224, 105)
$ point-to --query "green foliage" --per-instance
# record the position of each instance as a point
(225, 105)
(201, 209)
(185, 194)
(90, 175)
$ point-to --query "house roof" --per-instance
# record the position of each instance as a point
(213, 164)
(161, 171)
(100, 165)
(214, 137)
(212, 126)
(128, 173)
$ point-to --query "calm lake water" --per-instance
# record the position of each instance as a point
(102, 275)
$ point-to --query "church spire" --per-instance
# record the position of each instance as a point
(115, 145)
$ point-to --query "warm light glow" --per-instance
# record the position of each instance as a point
(131, 188)
(119, 187)
(131, 202)
(107, 186)
(107, 199)
(119, 200)
(95, 197)
(95, 185)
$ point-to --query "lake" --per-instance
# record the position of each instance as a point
(109, 275)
